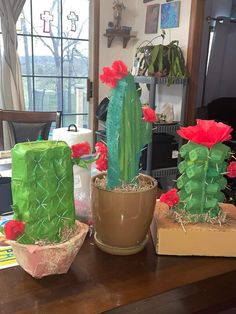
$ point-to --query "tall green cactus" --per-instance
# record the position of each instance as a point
(201, 179)
(42, 188)
(127, 133)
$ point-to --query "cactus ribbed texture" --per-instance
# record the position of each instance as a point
(201, 179)
(127, 133)
(42, 189)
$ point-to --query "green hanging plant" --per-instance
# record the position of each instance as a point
(167, 61)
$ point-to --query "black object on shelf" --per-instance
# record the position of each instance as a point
(164, 152)
(101, 112)
(5, 195)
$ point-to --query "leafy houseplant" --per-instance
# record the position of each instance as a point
(127, 133)
(43, 229)
(167, 60)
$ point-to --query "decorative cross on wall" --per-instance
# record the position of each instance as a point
(73, 18)
(47, 18)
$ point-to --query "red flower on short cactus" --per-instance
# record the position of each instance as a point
(231, 169)
(149, 115)
(13, 229)
(80, 149)
(102, 162)
(120, 69)
(206, 132)
(171, 198)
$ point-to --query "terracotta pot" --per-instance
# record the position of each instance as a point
(122, 219)
(40, 261)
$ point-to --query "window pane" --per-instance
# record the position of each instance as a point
(48, 94)
(46, 18)
(28, 93)
(75, 19)
(75, 96)
(75, 58)
(25, 54)
(47, 56)
(80, 121)
(23, 24)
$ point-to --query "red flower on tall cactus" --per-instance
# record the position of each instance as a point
(110, 76)
(206, 132)
(102, 161)
(231, 169)
(171, 198)
(149, 115)
(120, 69)
(80, 149)
(13, 229)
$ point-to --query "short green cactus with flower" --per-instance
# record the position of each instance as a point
(205, 160)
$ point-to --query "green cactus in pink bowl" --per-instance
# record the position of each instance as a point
(202, 171)
(42, 190)
(126, 128)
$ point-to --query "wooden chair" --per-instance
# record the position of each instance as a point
(28, 125)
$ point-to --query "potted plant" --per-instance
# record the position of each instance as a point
(123, 200)
(197, 223)
(44, 234)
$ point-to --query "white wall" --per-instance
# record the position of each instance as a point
(134, 15)
(116, 51)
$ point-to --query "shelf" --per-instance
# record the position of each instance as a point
(116, 33)
(159, 80)
(164, 172)
(166, 128)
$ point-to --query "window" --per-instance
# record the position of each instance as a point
(53, 46)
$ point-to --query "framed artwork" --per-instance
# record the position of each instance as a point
(145, 1)
(170, 14)
(151, 23)
(233, 10)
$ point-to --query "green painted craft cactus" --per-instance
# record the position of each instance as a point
(42, 189)
(201, 179)
(202, 172)
(127, 132)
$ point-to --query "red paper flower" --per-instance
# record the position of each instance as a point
(13, 229)
(120, 69)
(101, 148)
(171, 198)
(102, 162)
(149, 114)
(110, 76)
(231, 169)
(80, 149)
(206, 132)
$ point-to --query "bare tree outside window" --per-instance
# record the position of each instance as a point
(53, 44)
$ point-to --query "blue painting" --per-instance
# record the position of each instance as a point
(170, 14)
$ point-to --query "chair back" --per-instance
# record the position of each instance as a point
(28, 125)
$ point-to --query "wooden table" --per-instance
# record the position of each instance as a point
(142, 283)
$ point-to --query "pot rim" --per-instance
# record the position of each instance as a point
(120, 191)
(83, 228)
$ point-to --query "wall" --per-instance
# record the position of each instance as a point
(134, 15)
(108, 55)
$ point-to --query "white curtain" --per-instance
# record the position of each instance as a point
(11, 87)
(220, 79)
